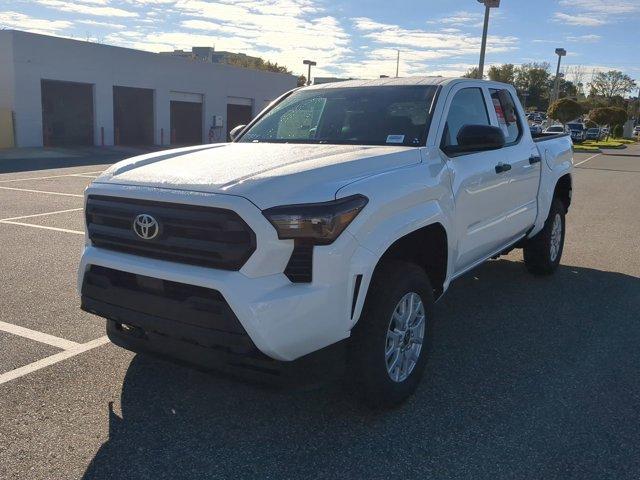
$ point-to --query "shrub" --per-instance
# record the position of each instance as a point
(565, 110)
(618, 131)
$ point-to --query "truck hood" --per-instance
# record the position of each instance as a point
(267, 174)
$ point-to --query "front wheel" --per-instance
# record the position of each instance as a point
(390, 344)
(542, 253)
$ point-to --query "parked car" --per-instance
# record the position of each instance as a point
(577, 132)
(556, 129)
(636, 131)
(331, 224)
(535, 128)
(593, 134)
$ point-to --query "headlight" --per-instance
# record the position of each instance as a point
(321, 223)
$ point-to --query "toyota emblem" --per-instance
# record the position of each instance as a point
(145, 226)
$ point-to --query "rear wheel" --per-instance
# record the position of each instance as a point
(390, 344)
(542, 253)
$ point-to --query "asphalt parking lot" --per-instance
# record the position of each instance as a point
(529, 377)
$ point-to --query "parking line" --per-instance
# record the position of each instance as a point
(585, 161)
(38, 336)
(52, 360)
(40, 214)
(55, 229)
(42, 191)
(48, 177)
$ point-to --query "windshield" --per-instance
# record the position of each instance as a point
(555, 129)
(385, 115)
(575, 126)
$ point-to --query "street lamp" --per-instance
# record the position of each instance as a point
(488, 5)
(561, 52)
(310, 64)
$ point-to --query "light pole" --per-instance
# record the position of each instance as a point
(561, 52)
(398, 63)
(488, 5)
(310, 64)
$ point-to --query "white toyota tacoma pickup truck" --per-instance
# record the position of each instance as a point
(336, 218)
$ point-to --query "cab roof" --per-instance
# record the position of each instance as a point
(379, 82)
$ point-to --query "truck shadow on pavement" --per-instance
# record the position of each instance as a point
(528, 378)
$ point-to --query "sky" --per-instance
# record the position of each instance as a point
(355, 39)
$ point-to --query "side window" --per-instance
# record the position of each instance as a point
(507, 115)
(467, 108)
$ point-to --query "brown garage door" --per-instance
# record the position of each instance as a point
(67, 113)
(133, 116)
(186, 123)
(237, 115)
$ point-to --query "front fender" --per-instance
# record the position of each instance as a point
(400, 202)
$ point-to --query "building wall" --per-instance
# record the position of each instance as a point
(6, 89)
(38, 57)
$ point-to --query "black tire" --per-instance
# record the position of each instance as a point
(538, 256)
(368, 365)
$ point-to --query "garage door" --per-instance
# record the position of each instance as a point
(133, 116)
(67, 113)
(238, 114)
(186, 118)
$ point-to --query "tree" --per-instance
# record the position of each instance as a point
(608, 116)
(611, 83)
(533, 79)
(302, 81)
(565, 110)
(472, 73)
(577, 73)
(504, 73)
(255, 63)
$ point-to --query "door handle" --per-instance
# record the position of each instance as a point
(503, 167)
(534, 159)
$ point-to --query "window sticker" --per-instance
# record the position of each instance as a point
(395, 138)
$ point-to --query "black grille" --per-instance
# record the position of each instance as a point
(187, 312)
(300, 266)
(206, 236)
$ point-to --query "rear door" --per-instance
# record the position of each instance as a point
(522, 155)
(480, 194)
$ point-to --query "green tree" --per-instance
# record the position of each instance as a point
(611, 83)
(610, 116)
(302, 81)
(503, 73)
(471, 73)
(565, 110)
(533, 79)
(255, 63)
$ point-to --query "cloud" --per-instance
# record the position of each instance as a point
(460, 19)
(87, 8)
(93, 23)
(285, 31)
(594, 13)
(420, 49)
(31, 24)
(585, 38)
(579, 20)
(604, 7)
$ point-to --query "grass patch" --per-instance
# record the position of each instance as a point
(585, 148)
(604, 144)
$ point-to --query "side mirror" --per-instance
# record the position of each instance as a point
(477, 138)
(235, 131)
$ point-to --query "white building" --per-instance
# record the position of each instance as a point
(57, 92)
